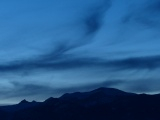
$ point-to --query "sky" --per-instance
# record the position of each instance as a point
(50, 47)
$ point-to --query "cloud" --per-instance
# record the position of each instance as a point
(76, 42)
(146, 16)
(72, 62)
(33, 91)
(143, 86)
(94, 21)
(107, 83)
(22, 90)
(154, 6)
(138, 63)
(38, 64)
(52, 26)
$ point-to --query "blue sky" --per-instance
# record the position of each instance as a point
(49, 47)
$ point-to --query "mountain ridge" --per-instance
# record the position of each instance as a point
(98, 104)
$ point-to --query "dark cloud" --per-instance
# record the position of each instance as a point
(154, 6)
(36, 64)
(146, 16)
(91, 22)
(137, 63)
(94, 20)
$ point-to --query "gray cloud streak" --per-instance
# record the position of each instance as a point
(137, 63)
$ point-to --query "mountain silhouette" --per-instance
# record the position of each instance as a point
(98, 104)
(24, 102)
(103, 92)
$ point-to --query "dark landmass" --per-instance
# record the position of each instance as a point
(99, 104)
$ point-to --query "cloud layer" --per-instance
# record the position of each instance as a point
(51, 47)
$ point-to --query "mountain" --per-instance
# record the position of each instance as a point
(20, 106)
(99, 104)
(101, 92)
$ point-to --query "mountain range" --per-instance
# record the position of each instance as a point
(98, 104)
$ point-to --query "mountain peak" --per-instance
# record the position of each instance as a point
(34, 101)
(23, 101)
(110, 91)
(101, 92)
(50, 100)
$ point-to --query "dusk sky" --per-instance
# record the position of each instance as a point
(50, 47)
